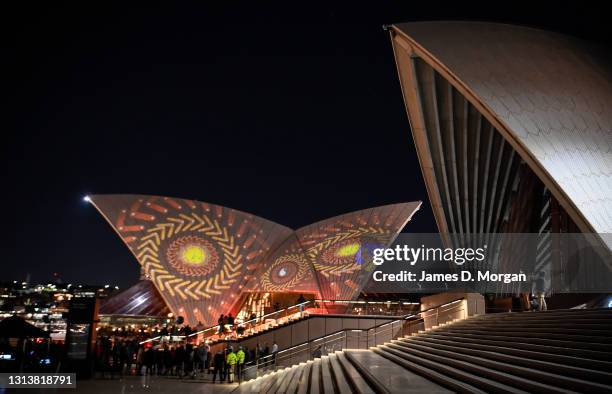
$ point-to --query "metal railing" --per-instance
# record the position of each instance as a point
(359, 338)
(368, 307)
(257, 324)
(293, 312)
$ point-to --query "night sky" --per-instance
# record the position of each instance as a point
(292, 113)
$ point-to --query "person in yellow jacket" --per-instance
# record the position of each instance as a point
(230, 362)
(240, 355)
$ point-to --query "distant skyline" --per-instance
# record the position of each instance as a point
(292, 114)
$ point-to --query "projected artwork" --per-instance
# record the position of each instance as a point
(340, 248)
(192, 256)
(201, 257)
(286, 269)
(198, 255)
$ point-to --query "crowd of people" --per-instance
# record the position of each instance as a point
(116, 356)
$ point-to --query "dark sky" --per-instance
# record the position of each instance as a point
(293, 113)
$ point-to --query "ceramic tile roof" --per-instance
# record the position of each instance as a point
(552, 91)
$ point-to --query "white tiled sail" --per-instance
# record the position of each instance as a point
(553, 92)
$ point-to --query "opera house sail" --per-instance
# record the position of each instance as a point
(203, 258)
(513, 131)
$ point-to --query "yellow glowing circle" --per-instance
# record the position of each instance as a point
(194, 254)
(348, 250)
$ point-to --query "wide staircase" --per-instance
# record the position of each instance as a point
(562, 351)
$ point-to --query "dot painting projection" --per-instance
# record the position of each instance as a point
(202, 257)
(198, 255)
(340, 248)
(286, 269)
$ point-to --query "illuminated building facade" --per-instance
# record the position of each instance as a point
(204, 258)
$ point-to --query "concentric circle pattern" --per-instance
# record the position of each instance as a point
(202, 257)
(285, 272)
(192, 256)
(343, 252)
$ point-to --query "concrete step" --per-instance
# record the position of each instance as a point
(340, 381)
(444, 376)
(327, 383)
(477, 375)
(289, 376)
(260, 384)
(272, 380)
(303, 384)
(588, 335)
(372, 381)
(315, 377)
(391, 377)
(553, 347)
(358, 383)
(582, 324)
(562, 341)
(604, 312)
(576, 366)
(542, 352)
(537, 371)
(537, 317)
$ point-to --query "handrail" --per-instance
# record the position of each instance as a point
(436, 307)
(374, 327)
(260, 318)
(345, 334)
(411, 316)
(321, 301)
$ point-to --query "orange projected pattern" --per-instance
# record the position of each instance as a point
(202, 257)
(286, 269)
(198, 255)
(192, 256)
(340, 248)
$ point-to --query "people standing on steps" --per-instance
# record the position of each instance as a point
(539, 289)
(241, 356)
(301, 301)
(140, 359)
(230, 364)
(221, 323)
(274, 351)
(219, 365)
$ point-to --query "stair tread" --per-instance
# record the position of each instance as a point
(516, 341)
(494, 380)
(476, 370)
(360, 385)
(545, 341)
(303, 384)
(595, 335)
(518, 371)
(254, 385)
(338, 375)
(393, 376)
(604, 311)
(292, 387)
(326, 376)
(315, 377)
(289, 376)
(559, 359)
(554, 351)
(271, 381)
